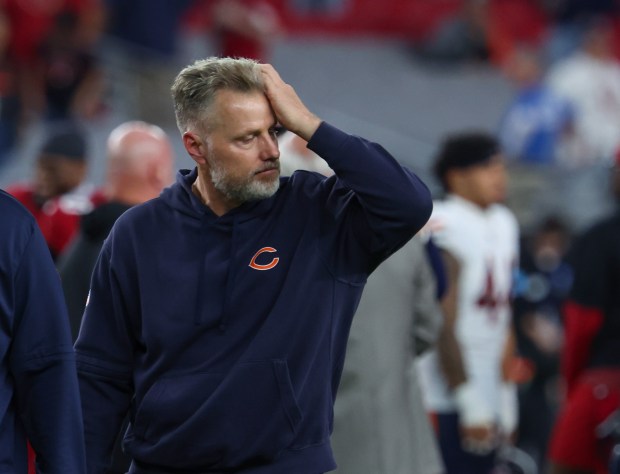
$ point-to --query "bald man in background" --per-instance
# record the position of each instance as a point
(139, 165)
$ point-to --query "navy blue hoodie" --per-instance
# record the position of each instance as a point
(225, 336)
(39, 397)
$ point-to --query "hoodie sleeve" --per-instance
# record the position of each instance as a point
(42, 363)
(383, 203)
(104, 360)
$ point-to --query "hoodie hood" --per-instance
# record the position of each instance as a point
(180, 197)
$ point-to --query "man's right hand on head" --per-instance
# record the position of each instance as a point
(286, 104)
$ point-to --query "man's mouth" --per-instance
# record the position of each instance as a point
(267, 170)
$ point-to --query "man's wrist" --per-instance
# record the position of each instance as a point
(309, 127)
(473, 411)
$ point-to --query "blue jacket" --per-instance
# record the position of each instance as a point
(230, 332)
(39, 397)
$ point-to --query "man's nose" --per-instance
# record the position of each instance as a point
(269, 149)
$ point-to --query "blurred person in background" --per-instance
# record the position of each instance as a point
(460, 38)
(139, 166)
(69, 73)
(537, 118)
(57, 194)
(531, 133)
(591, 355)
(39, 397)
(569, 21)
(380, 424)
(541, 288)
(245, 28)
(32, 24)
(590, 80)
(467, 379)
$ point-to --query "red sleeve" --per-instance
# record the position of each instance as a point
(581, 324)
(64, 227)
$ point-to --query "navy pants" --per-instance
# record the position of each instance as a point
(455, 458)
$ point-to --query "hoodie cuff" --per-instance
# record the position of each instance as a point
(326, 139)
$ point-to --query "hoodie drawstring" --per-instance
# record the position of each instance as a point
(229, 280)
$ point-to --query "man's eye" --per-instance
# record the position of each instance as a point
(278, 130)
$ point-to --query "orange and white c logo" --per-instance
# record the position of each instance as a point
(270, 265)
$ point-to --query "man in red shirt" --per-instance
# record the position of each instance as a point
(55, 196)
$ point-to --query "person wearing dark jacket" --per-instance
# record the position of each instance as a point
(219, 312)
(590, 359)
(139, 166)
(39, 397)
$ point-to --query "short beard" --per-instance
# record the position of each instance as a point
(248, 189)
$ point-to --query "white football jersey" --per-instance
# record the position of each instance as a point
(485, 243)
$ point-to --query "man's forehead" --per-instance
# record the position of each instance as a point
(253, 108)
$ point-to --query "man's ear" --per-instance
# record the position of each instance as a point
(196, 147)
(454, 179)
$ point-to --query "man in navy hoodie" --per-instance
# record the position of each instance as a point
(219, 312)
(39, 397)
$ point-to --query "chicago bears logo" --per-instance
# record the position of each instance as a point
(267, 266)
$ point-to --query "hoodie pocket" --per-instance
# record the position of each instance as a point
(212, 420)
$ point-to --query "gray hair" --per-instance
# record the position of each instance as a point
(195, 87)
